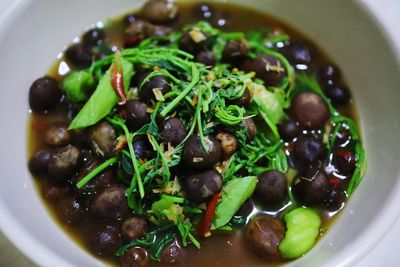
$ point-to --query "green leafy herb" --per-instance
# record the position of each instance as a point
(96, 171)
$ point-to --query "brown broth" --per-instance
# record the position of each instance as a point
(227, 249)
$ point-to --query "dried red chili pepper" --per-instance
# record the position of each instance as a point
(117, 79)
(205, 225)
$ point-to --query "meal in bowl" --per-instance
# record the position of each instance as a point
(194, 135)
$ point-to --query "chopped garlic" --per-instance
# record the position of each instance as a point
(159, 96)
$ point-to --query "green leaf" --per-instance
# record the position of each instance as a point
(102, 100)
(234, 194)
(270, 103)
(77, 84)
(165, 208)
(302, 226)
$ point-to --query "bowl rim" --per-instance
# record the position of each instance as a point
(364, 243)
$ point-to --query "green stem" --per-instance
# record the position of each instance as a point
(195, 80)
(96, 171)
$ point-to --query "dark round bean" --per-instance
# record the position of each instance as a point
(157, 30)
(134, 228)
(246, 209)
(104, 240)
(272, 188)
(142, 147)
(201, 186)
(103, 139)
(111, 204)
(38, 163)
(229, 144)
(129, 19)
(135, 257)
(195, 156)
(244, 100)
(308, 150)
(173, 254)
(206, 57)
(63, 162)
(289, 129)
(335, 198)
(158, 82)
(137, 115)
(251, 128)
(338, 94)
(310, 188)
(235, 51)
(93, 37)
(297, 53)
(71, 210)
(173, 131)
(57, 136)
(79, 55)
(193, 41)
(159, 11)
(329, 73)
(44, 94)
(344, 161)
(264, 234)
(267, 68)
(309, 110)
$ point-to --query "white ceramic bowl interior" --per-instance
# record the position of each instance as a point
(34, 31)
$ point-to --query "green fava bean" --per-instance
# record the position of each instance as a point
(303, 228)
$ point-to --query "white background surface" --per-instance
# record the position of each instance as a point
(385, 254)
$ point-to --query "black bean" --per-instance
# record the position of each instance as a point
(44, 94)
(103, 139)
(173, 131)
(229, 144)
(267, 68)
(297, 53)
(235, 51)
(201, 186)
(206, 57)
(159, 11)
(344, 161)
(134, 228)
(272, 188)
(135, 257)
(71, 210)
(111, 204)
(251, 128)
(338, 94)
(329, 73)
(263, 234)
(137, 115)
(308, 150)
(193, 45)
(195, 155)
(104, 240)
(173, 254)
(38, 163)
(79, 55)
(63, 162)
(289, 129)
(309, 110)
(57, 136)
(311, 188)
(93, 37)
(158, 82)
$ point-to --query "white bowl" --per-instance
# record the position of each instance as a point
(33, 32)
